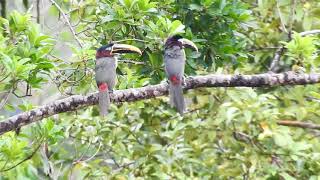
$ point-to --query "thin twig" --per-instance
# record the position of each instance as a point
(85, 30)
(311, 32)
(109, 151)
(281, 19)
(93, 154)
(310, 98)
(38, 11)
(5, 99)
(5, 77)
(67, 21)
(85, 152)
(90, 35)
(131, 62)
(173, 117)
(25, 159)
(134, 135)
(114, 33)
(291, 17)
(133, 39)
(274, 67)
(3, 4)
(124, 166)
(299, 124)
(20, 96)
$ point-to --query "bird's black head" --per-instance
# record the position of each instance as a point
(176, 37)
(173, 41)
(105, 47)
(178, 40)
(112, 48)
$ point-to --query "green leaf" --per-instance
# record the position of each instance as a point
(8, 62)
(287, 176)
(282, 139)
(176, 27)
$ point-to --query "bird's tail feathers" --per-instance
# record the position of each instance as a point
(176, 97)
(104, 101)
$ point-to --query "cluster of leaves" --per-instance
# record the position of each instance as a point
(274, 23)
(146, 24)
(226, 133)
(302, 51)
(23, 53)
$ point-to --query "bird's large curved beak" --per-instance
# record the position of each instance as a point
(189, 44)
(125, 48)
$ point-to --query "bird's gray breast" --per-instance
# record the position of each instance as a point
(106, 70)
(174, 59)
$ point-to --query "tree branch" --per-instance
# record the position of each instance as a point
(134, 94)
(131, 61)
(299, 124)
(281, 19)
(38, 11)
(67, 21)
(3, 4)
(274, 67)
(311, 32)
(5, 98)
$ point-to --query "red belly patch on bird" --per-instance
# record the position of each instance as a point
(174, 80)
(103, 87)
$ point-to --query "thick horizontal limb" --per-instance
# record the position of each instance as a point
(73, 103)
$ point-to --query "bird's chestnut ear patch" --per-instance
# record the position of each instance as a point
(103, 87)
(103, 53)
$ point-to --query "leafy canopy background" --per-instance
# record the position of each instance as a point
(228, 132)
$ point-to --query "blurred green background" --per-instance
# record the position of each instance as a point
(47, 51)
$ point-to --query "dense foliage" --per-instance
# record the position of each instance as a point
(227, 132)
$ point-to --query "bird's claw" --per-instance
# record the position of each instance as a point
(184, 81)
